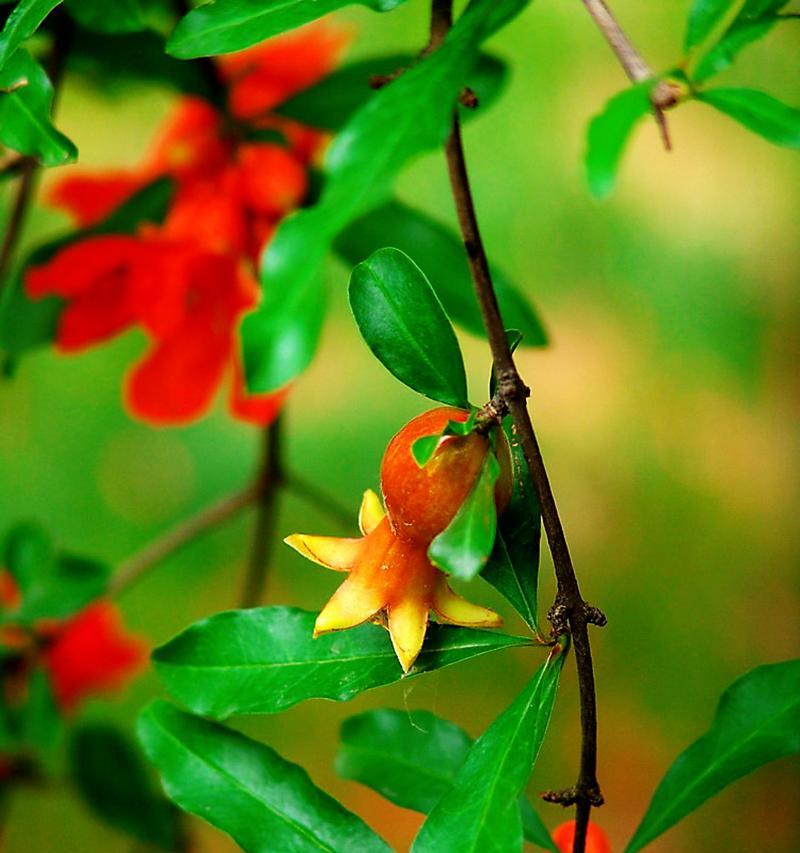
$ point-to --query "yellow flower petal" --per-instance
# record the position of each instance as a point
(371, 513)
(328, 551)
(408, 622)
(351, 604)
(458, 611)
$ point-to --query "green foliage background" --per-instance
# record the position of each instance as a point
(667, 407)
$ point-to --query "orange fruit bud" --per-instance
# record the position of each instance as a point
(596, 839)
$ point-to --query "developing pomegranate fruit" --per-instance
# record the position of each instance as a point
(596, 839)
(389, 570)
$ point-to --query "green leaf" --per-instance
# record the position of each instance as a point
(22, 23)
(609, 133)
(405, 326)
(481, 811)
(265, 660)
(40, 720)
(463, 547)
(755, 19)
(757, 721)
(246, 789)
(412, 758)
(329, 104)
(111, 776)
(25, 124)
(398, 122)
(26, 324)
(513, 569)
(121, 16)
(759, 112)
(228, 25)
(27, 552)
(424, 448)
(703, 17)
(441, 254)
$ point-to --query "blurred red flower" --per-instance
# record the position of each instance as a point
(596, 839)
(188, 282)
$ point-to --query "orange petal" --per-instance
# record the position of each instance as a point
(371, 513)
(408, 622)
(351, 604)
(329, 551)
(458, 611)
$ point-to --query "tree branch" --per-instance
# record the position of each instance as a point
(570, 610)
(130, 570)
(268, 482)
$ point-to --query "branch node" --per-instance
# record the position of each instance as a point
(594, 615)
(468, 99)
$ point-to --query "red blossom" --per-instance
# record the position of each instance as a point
(188, 282)
(92, 653)
(596, 840)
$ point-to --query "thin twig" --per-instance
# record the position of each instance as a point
(132, 569)
(320, 500)
(269, 481)
(570, 610)
(664, 95)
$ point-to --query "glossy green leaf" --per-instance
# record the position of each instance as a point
(329, 104)
(246, 789)
(25, 124)
(228, 25)
(398, 122)
(110, 774)
(757, 721)
(759, 112)
(405, 326)
(26, 324)
(609, 133)
(755, 19)
(265, 660)
(441, 254)
(704, 15)
(513, 568)
(22, 23)
(412, 758)
(424, 448)
(121, 16)
(481, 811)
(463, 547)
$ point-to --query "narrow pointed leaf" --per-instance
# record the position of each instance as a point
(412, 758)
(704, 15)
(265, 660)
(757, 721)
(463, 547)
(424, 448)
(228, 25)
(513, 569)
(264, 802)
(481, 811)
(405, 326)
(441, 254)
(759, 112)
(25, 124)
(23, 22)
(329, 104)
(609, 133)
(111, 775)
(755, 19)
(398, 122)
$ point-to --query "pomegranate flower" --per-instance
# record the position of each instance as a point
(390, 577)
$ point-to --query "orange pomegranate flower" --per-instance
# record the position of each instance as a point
(92, 653)
(390, 575)
(596, 840)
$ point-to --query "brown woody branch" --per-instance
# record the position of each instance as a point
(570, 611)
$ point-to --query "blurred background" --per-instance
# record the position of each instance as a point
(667, 407)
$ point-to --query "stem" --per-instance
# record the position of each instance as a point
(269, 481)
(129, 571)
(570, 610)
(629, 58)
(28, 167)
